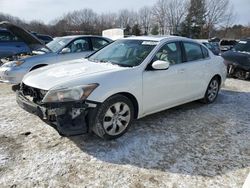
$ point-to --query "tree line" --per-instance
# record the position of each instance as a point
(190, 18)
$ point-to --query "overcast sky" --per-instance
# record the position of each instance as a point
(48, 10)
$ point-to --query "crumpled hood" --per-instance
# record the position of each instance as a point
(33, 42)
(71, 73)
(237, 57)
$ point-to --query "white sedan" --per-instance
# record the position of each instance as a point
(126, 80)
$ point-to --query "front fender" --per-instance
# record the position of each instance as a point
(129, 82)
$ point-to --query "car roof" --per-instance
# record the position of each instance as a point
(77, 36)
(158, 38)
(72, 37)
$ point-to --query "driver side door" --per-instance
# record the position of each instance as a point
(165, 88)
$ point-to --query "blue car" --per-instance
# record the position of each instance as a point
(15, 41)
(11, 45)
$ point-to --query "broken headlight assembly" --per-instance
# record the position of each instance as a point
(18, 63)
(77, 93)
(14, 63)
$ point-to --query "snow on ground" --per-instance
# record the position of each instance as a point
(193, 145)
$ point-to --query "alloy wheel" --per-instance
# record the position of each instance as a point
(116, 118)
(213, 90)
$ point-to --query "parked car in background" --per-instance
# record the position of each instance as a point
(59, 50)
(238, 60)
(227, 44)
(16, 42)
(216, 46)
(126, 80)
(45, 38)
(11, 45)
(214, 49)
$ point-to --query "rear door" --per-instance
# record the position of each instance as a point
(196, 69)
(165, 88)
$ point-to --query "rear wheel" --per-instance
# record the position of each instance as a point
(112, 118)
(212, 91)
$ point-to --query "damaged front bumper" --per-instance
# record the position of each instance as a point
(238, 70)
(69, 119)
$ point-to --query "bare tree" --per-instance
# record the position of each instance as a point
(84, 21)
(218, 13)
(126, 17)
(145, 19)
(159, 13)
(229, 20)
(123, 18)
(107, 21)
(176, 11)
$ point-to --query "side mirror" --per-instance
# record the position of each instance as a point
(65, 50)
(160, 65)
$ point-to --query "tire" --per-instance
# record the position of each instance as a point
(112, 118)
(212, 91)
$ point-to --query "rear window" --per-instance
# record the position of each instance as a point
(6, 36)
(98, 43)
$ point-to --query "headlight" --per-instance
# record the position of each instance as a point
(69, 94)
(18, 63)
(13, 63)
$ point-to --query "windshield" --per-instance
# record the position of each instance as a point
(57, 44)
(126, 53)
(242, 46)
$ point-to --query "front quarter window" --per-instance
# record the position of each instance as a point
(127, 53)
(170, 52)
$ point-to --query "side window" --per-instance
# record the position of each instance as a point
(98, 43)
(205, 52)
(79, 45)
(170, 52)
(193, 51)
(7, 37)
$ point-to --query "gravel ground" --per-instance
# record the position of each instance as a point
(193, 145)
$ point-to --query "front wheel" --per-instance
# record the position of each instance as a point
(212, 91)
(112, 118)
